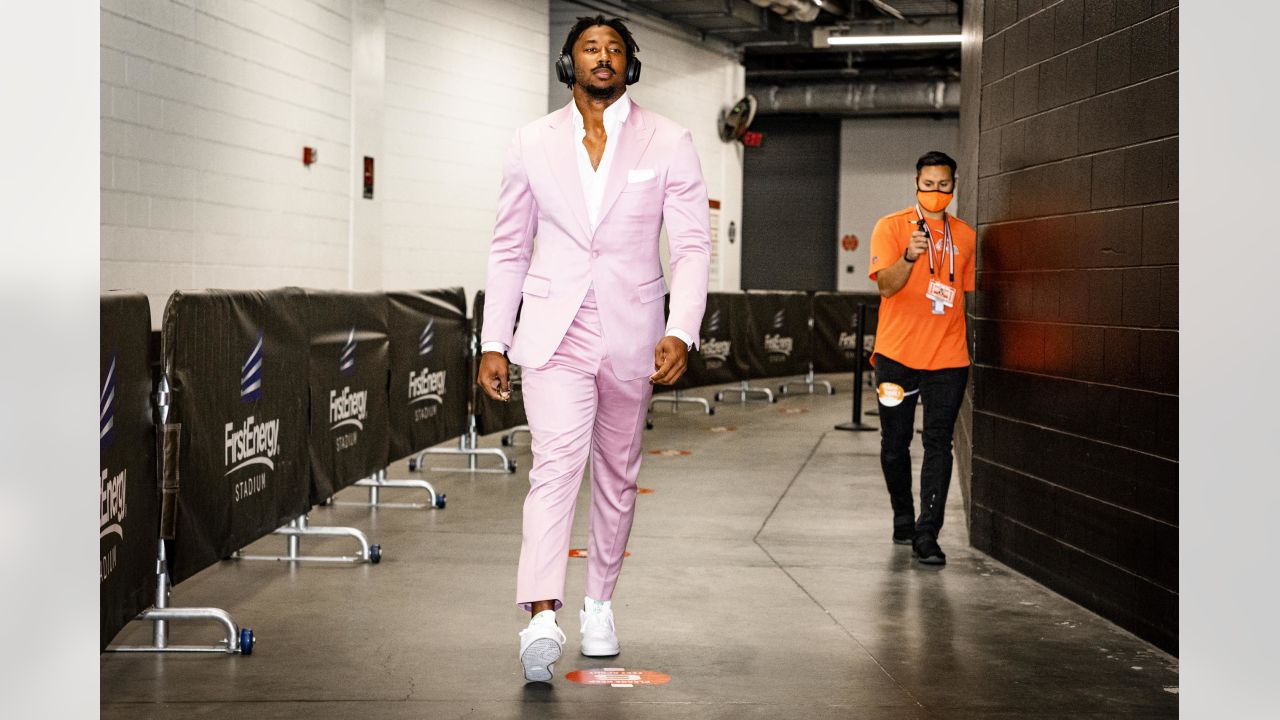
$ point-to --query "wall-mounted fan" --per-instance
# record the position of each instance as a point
(735, 121)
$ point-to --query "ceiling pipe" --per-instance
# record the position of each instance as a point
(928, 97)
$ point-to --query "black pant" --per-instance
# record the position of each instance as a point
(942, 392)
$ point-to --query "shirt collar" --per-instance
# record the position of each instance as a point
(615, 114)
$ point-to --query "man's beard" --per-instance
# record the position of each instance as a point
(599, 93)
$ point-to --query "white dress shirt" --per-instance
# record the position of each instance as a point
(593, 182)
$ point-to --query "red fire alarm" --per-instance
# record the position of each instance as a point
(752, 139)
(309, 156)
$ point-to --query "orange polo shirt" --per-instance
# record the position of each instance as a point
(908, 330)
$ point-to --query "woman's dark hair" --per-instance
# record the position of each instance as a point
(587, 22)
(936, 157)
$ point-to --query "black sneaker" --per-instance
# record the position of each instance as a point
(926, 550)
(903, 534)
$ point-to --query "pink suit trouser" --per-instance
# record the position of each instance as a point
(577, 408)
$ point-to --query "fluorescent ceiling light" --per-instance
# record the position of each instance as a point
(894, 39)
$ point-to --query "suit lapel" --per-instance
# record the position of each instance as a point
(563, 159)
(635, 137)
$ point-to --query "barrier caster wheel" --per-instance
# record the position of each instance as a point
(831, 391)
(246, 641)
(375, 554)
(506, 441)
(440, 501)
(648, 424)
(711, 411)
(413, 464)
(718, 397)
(513, 467)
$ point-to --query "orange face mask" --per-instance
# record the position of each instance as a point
(933, 200)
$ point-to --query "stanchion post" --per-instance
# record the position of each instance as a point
(856, 425)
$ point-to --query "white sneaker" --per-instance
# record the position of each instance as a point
(540, 646)
(599, 638)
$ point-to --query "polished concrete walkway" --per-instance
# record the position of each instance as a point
(762, 581)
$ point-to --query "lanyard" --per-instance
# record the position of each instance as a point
(948, 245)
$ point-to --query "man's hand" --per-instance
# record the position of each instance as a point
(492, 377)
(917, 246)
(670, 358)
(893, 278)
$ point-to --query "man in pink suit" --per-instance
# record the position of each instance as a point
(585, 193)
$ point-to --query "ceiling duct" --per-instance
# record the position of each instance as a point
(803, 10)
(923, 97)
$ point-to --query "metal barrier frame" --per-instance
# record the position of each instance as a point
(298, 528)
(238, 640)
(678, 398)
(379, 480)
(745, 391)
(809, 381)
(469, 446)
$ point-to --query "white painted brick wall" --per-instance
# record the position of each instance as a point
(462, 75)
(206, 105)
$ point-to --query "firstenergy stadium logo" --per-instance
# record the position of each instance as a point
(775, 343)
(111, 505)
(348, 409)
(111, 488)
(848, 341)
(714, 352)
(107, 406)
(254, 443)
(426, 388)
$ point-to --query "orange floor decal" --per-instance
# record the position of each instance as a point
(668, 453)
(618, 677)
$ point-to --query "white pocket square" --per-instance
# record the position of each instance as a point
(635, 176)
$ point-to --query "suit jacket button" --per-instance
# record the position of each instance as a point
(595, 253)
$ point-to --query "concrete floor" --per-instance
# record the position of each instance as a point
(762, 581)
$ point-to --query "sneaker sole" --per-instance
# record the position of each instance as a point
(905, 541)
(538, 658)
(931, 560)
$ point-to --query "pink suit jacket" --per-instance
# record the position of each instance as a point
(542, 198)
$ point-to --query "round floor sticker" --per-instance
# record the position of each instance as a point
(793, 411)
(618, 677)
(722, 428)
(890, 394)
(668, 453)
(582, 552)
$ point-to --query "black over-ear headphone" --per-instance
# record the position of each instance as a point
(564, 69)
